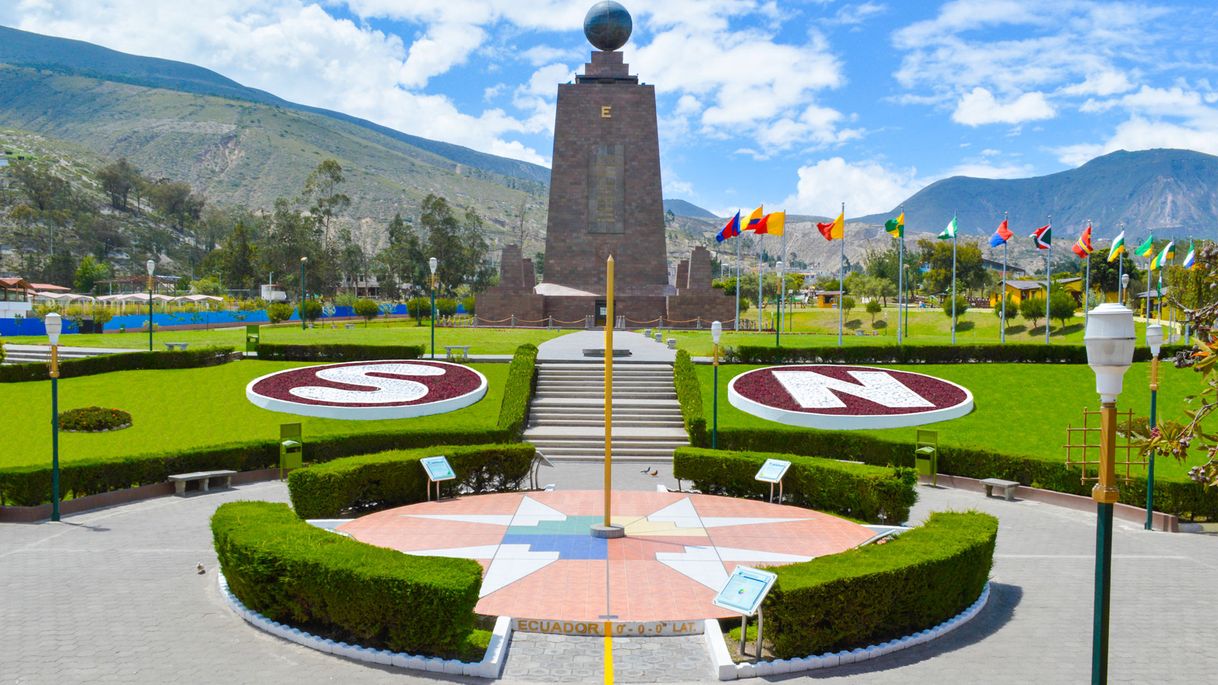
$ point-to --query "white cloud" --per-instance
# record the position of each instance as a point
(443, 47)
(865, 187)
(979, 107)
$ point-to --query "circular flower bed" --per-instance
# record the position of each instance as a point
(93, 420)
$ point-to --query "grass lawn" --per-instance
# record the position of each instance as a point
(184, 408)
(1020, 409)
(397, 332)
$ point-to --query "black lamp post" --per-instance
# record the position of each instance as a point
(54, 325)
(151, 266)
(716, 333)
(432, 264)
(303, 260)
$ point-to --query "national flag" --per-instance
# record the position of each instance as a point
(731, 230)
(1082, 247)
(949, 233)
(754, 219)
(896, 227)
(1190, 259)
(1118, 246)
(1043, 237)
(1146, 249)
(1163, 257)
(771, 224)
(834, 230)
(1002, 235)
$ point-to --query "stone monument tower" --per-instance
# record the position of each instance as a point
(605, 199)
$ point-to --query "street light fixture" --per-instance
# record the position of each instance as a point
(1109, 340)
(54, 324)
(1154, 340)
(778, 315)
(716, 334)
(303, 261)
(1124, 287)
(151, 266)
(432, 264)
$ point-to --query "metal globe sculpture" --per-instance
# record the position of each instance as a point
(608, 26)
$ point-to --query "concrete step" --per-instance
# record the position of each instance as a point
(617, 421)
(619, 403)
(587, 454)
(598, 413)
(600, 394)
(580, 366)
(631, 434)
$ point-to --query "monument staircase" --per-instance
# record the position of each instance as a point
(567, 415)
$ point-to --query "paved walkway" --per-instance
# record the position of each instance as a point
(112, 596)
(571, 347)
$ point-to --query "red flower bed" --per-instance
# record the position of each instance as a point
(456, 381)
(760, 385)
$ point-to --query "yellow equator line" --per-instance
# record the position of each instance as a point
(608, 653)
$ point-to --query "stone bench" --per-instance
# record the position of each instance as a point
(180, 480)
(171, 346)
(456, 352)
(1008, 487)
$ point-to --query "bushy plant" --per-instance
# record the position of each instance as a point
(337, 352)
(518, 390)
(689, 395)
(367, 309)
(1033, 309)
(345, 300)
(882, 591)
(289, 570)
(1012, 310)
(961, 306)
(279, 311)
(468, 303)
(311, 310)
(1034, 353)
(93, 419)
(874, 307)
(1062, 306)
(127, 361)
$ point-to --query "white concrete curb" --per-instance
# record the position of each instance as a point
(728, 670)
(490, 666)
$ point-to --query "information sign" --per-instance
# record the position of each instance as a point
(745, 589)
(772, 471)
(438, 469)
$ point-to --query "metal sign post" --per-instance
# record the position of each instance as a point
(743, 592)
(773, 471)
(438, 470)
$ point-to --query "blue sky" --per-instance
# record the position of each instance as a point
(800, 105)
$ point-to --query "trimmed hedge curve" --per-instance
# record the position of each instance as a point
(389, 479)
(872, 494)
(882, 591)
(124, 361)
(928, 354)
(289, 570)
(337, 353)
(689, 396)
(518, 390)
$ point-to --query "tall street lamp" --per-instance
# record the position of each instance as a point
(151, 266)
(1154, 340)
(54, 325)
(778, 315)
(432, 264)
(1109, 340)
(716, 333)
(303, 261)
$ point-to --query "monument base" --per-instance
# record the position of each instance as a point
(600, 530)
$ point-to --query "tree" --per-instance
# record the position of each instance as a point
(1061, 306)
(118, 179)
(278, 311)
(874, 307)
(175, 201)
(458, 245)
(60, 269)
(1033, 309)
(368, 309)
(958, 311)
(848, 304)
(42, 188)
(970, 270)
(310, 310)
(321, 188)
(1012, 310)
(88, 273)
(207, 286)
(239, 258)
(1105, 275)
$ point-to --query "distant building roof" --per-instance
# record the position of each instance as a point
(49, 288)
(1024, 285)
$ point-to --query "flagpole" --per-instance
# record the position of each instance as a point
(1159, 297)
(900, 275)
(1152, 261)
(782, 285)
(1003, 295)
(841, 279)
(760, 278)
(1120, 274)
(1048, 279)
(1087, 288)
(954, 232)
(739, 238)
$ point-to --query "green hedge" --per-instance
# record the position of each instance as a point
(337, 353)
(882, 591)
(689, 395)
(868, 493)
(927, 354)
(1184, 499)
(290, 571)
(390, 479)
(125, 361)
(518, 390)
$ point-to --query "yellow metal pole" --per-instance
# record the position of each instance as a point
(608, 386)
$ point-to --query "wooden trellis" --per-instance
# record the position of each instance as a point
(1083, 446)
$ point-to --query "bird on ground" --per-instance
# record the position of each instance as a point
(199, 568)
(654, 472)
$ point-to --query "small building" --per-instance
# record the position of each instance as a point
(16, 297)
(125, 285)
(1161, 307)
(272, 292)
(826, 299)
(1020, 290)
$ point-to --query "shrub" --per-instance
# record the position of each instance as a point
(689, 395)
(289, 570)
(390, 479)
(882, 591)
(1012, 311)
(445, 306)
(418, 307)
(960, 308)
(1033, 353)
(869, 493)
(337, 353)
(93, 419)
(874, 307)
(126, 361)
(367, 309)
(311, 310)
(468, 303)
(1033, 309)
(518, 390)
(1062, 306)
(279, 311)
